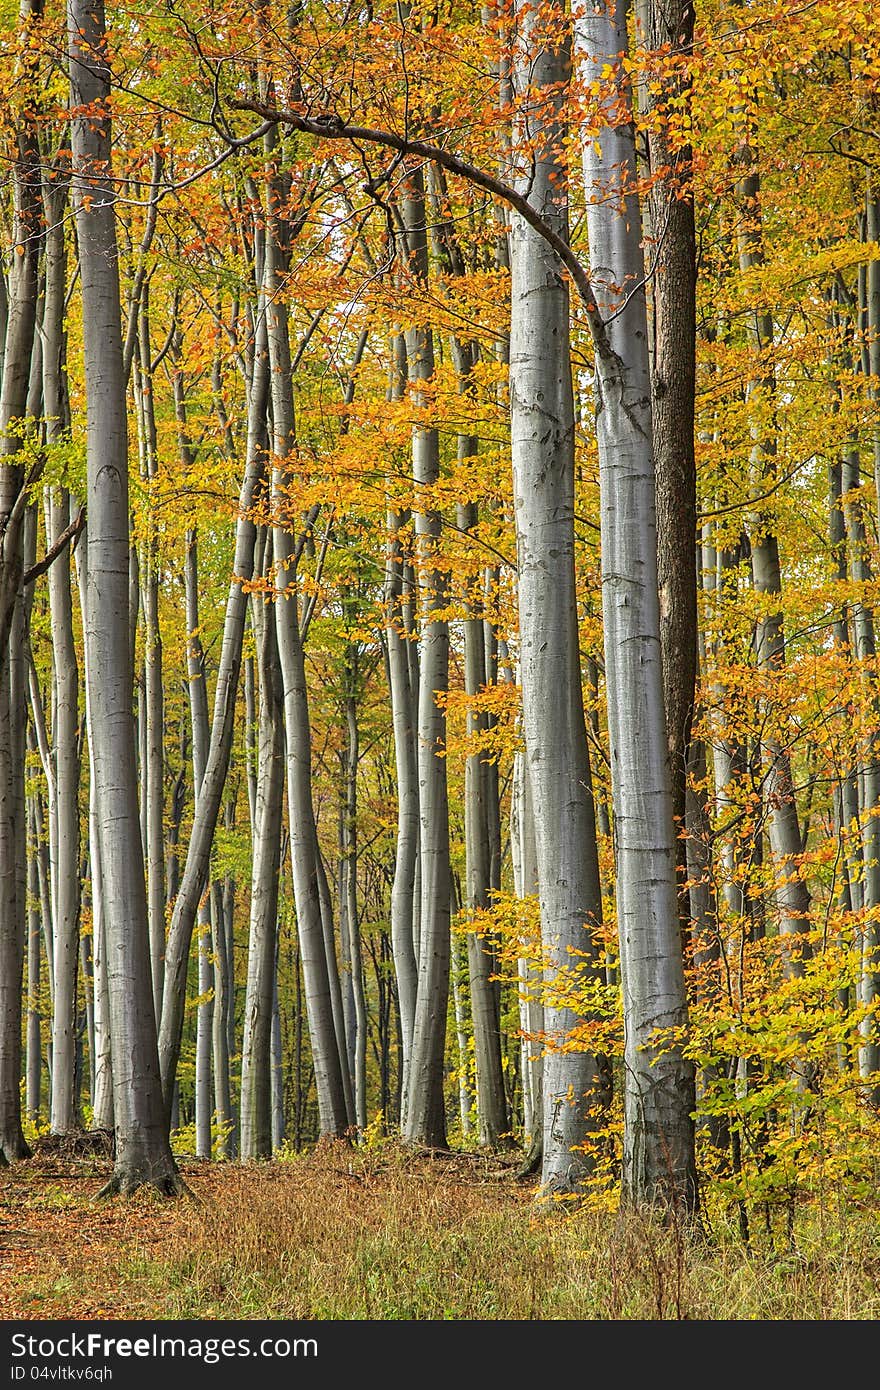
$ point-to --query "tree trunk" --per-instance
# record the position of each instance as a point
(792, 893)
(424, 1120)
(143, 1154)
(403, 887)
(531, 1006)
(659, 1162)
(328, 1045)
(19, 347)
(34, 1059)
(198, 858)
(198, 704)
(350, 861)
(65, 1115)
(668, 30)
(542, 444)
(153, 764)
(256, 1077)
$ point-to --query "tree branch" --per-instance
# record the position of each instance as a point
(331, 127)
(71, 533)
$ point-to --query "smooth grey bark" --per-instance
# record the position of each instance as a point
(528, 966)
(542, 445)
(143, 1154)
(65, 1114)
(424, 1119)
(492, 1116)
(33, 1060)
(102, 1100)
(350, 863)
(250, 735)
(404, 729)
(326, 904)
(229, 936)
(42, 857)
(256, 1076)
(153, 763)
(277, 1067)
(198, 858)
(346, 983)
(658, 1161)
(13, 881)
(318, 962)
(65, 751)
(328, 1042)
(222, 1008)
(19, 348)
(198, 704)
(481, 785)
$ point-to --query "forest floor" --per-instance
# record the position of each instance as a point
(384, 1234)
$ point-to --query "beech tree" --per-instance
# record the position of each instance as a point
(387, 376)
(143, 1154)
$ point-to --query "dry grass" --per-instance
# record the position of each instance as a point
(386, 1235)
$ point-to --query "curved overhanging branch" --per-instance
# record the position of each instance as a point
(331, 127)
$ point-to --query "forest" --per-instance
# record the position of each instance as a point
(439, 689)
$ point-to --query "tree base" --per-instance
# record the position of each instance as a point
(13, 1148)
(125, 1182)
(532, 1161)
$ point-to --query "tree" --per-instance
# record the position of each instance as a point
(143, 1154)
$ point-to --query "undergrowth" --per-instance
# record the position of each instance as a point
(386, 1234)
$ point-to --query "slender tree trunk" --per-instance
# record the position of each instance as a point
(494, 1122)
(198, 858)
(397, 643)
(868, 991)
(19, 346)
(102, 1101)
(865, 652)
(668, 30)
(143, 1154)
(792, 893)
(34, 1059)
(198, 703)
(424, 1120)
(542, 443)
(350, 881)
(531, 1006)
(222, 984)
(328, 1044)
(65, 1114)
(65, 878)
(256, 1076)
(153, 764)
(277, 1066)
(461, 1037)
(659, 1161)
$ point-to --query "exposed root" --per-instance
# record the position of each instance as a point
(13, 1149)
(532, 1161)
(126, 1183)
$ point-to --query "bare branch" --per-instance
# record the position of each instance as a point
(331, 127)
